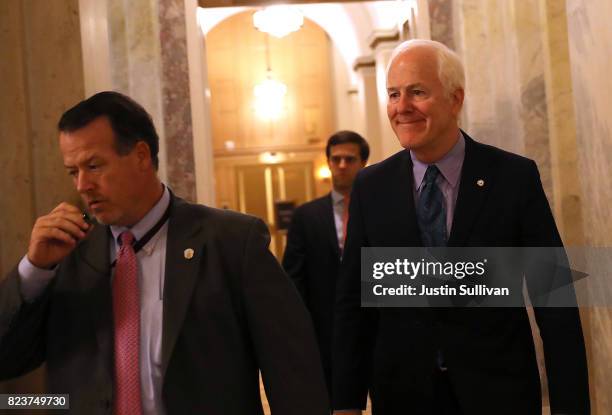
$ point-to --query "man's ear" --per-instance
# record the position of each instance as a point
(457, 100)
(143, 154)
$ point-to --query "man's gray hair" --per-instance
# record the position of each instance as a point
(450, 67)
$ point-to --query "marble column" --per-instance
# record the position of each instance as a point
(135, 61)
(567, 193)
(590, 48)
(367, 97)
(148, 61)
(527, 30)
(442, 22)
(491, 59)
(42, 76)
(382, 43)
(176, 98)
(519, 97)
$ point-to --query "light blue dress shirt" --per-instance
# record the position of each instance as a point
(151, 272)
(448, 181)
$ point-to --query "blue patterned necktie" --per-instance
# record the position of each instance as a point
(431, 216)
(431, 211)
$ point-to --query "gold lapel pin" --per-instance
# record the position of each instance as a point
(480, 182)
(188, 253)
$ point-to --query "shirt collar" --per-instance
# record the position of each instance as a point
(449, 165)
(337, 197)
(148, 221)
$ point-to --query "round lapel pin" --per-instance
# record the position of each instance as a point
(480, 182)
(188, 253)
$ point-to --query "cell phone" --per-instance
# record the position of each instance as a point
(87, 218)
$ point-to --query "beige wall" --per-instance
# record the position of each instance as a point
(42, 76)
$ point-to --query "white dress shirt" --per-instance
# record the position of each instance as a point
(338, 206)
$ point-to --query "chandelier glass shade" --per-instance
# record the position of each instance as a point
(278, 20)
(269, 98)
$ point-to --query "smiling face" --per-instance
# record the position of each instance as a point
(422, 115)
(117, 189)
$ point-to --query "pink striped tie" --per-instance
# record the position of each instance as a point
(126, 312)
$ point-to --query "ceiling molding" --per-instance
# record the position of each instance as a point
(364, 62)
(382, 36)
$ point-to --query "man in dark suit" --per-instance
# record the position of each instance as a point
(446, 189)
(316, 238)
(164, 306)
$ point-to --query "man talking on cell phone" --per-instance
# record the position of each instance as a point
(164, 306)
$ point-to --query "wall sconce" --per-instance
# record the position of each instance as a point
(323, 173)
(272, 157)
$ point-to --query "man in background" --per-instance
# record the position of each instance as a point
(315, 240)
(164, 306)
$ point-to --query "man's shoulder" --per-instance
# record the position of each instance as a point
(314, 205)
(496, 154)
(212, 216)
(388, 166)
(507, 166)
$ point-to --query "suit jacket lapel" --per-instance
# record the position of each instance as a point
(476, 179)
(94, 276)
(181, 274)
(326, 215)
(403, 227)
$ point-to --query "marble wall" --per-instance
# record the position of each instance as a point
(368, 110)
(537, 85)
(148, 61)
(519, 93)
(590, 47)
(442, 22)
(562, 133)
(42, 76)
(491, 59)
(176, 98)
(590, 43)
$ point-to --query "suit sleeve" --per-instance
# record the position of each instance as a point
(560, 328)
(281, 331)
(22, 329)
(355, 328)
(295, 257)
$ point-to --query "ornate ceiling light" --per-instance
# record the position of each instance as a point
(278, 20)
(269, 93)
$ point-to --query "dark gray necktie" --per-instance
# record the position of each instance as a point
(431, 216)
(431, 210)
